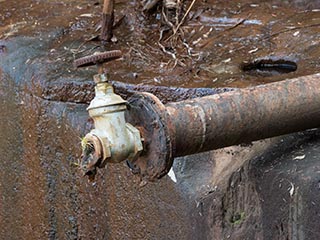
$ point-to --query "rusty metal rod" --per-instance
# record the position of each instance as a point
(107, 20)
(245, 115)
(221, 120)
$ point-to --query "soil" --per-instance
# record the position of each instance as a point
(265, 190)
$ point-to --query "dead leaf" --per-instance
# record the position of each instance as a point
(86, 15)
(291, 191)
(299, 157)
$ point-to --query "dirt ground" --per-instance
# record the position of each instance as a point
(208, 50)
(266, 190)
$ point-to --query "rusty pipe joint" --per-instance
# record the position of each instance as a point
(207, 123)
(112, 139)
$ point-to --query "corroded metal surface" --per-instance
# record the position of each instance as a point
(222, 120)
(148, 114)
(97, 58)
(245, 115)
(107, 20)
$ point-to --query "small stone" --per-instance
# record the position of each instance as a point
(3, 49)
(114, 39)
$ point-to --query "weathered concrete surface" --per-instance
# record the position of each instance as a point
(43, 195)
(273, 196)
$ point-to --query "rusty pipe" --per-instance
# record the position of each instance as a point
(245, 115)
(221, 120)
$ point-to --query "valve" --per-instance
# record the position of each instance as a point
(112, 139)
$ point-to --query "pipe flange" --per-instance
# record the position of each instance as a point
(148, 114)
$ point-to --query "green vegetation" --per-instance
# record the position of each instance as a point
(237, 218)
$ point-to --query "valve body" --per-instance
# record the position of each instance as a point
(112, 139)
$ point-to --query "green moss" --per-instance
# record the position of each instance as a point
(237, 218)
